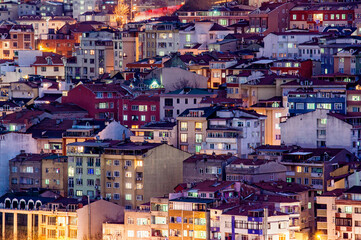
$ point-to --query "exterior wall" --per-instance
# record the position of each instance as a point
(338, 134)
(272, 123)
(158, 136)
(22, 178)
(55, 175)
(196, 171)
(132, 118)
(271, 171)
(185, 101)
(100, 211)
(17, 141)
(191, 145)
(157, 160)
(137, 225)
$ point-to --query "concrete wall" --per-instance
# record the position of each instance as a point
(164, 166)
(100, 211)
(10, 146)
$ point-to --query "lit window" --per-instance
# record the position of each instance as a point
(184, 126)
(128, 186)
(299, 169)
(184, 138)
(139, 163)
(47, 181)
(92, 52)
(128, 197)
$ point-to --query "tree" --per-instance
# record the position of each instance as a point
(121, 13)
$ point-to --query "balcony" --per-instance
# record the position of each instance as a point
(221, 140)
(321, 225)
(290, 173)
(321, 213)
(316, 174)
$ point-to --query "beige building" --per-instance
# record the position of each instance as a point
(134, 172)
(54, 174)
(338, 214)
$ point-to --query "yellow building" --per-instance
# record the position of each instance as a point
(189, 218)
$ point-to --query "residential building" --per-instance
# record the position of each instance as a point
(200, 167)
(312, 166)
(203, 33)
(343, 206)
(130, 172)
(31, 171)
(18, 37)
(223, 15)
(231, 131)
(323, 130)
(348, 60)
(302, 216)
(172, 104)
(270, 18)
(301, 102)
(100, 100)
(274, 110)
(296, 67)
(319, 16)
(255, 171)
(285, 45)
(156, 132)
(95, 55)
(140, 110)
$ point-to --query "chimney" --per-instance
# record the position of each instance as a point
(22, 151)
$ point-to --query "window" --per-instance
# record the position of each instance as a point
(116, 174)
(184, 126)
(299, 106)
(198, 126)
(116, 185)
(299, 169)
(128, 186)
(310, 106)
(198, 138)
(130, 233)
(142, 118)
(184, 138)
(128, 197)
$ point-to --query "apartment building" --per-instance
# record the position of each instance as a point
(318, 17)
(16, 37)
(159, 39)
(30, 170)
(156, 132)
(116, 170)
(347, 60)
(312, 166)
(323, 130)
(140, 110)
(172, 104)
(100, 100)
(130, 174)
(338, 214)
(192, 125)
(302, 211)
(300, 102)
(223, 15)
(233, 130)
(274, 110)
(95, 55)
(284, 45)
